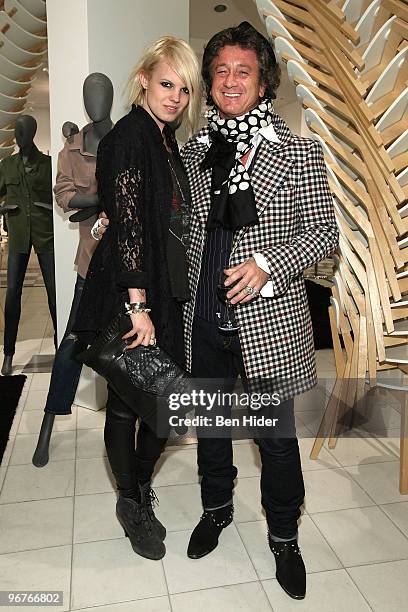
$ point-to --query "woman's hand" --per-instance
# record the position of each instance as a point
(142, 326)
(100, 226)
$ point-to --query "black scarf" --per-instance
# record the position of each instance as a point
(232, 196)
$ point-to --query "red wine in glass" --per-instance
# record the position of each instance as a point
(227, 323)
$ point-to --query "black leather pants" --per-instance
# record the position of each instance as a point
(129, 465)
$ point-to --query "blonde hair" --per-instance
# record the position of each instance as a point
(182, 59)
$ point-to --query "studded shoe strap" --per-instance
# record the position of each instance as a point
(291, 545)
(211, 515)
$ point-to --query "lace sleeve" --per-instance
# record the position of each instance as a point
(130, 228)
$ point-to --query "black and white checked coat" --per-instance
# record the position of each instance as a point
(296, 229)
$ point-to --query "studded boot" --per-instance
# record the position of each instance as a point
(204, 538)
(290, 569)
(149, 500)
(138, 527)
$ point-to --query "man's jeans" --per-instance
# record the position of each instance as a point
(16, 270)
(66, 370)
(219, 356)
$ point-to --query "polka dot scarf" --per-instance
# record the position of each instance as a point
(233, 202)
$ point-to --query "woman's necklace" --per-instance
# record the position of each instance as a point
(184, 238)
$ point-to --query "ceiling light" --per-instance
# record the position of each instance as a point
(220, 8)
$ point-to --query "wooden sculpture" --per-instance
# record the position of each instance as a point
(349, 62)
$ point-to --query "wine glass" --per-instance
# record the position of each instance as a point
(228, 322)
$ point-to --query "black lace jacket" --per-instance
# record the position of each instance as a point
(135, 191)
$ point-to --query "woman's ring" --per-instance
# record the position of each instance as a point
(153, 341)
(250, 290)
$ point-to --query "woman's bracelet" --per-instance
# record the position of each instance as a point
(136, 308)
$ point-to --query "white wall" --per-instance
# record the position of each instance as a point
(67, 26)
(119, 32)
(87, 36)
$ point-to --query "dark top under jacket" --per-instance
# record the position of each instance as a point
(28, 187)
(135, 190)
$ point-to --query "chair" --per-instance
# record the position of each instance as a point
(6, 151)
(284, 50)
(267, 6)
(15, 72)
(8, 87)
(19, 36)
(8, 117)
(8, 103)
(24, 18)
(17, 55)
(354, 9)
(390, 85)
(36, 8)
(274, 27)
(395, 120)
(6, 137)
(365, 24)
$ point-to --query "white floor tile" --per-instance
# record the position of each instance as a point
(95, 518)
(7, 453)
(38, 570)
(35, 524)
(228, 564)
(110, 572)
(384, 585)
(357, 451)
(31, 421)
(333, 490)
(247, 500)
(381, 481)
(90, 419)
(36, 399)
(62, 447)
(154, 604)
(93, 476)
(179, 506)
(316, 553)
(398, 513)
(315, 399)
(247, 459)
(248, 597)
(325, 592)
(362, 535)
(40, 381)
(311, 420)
(2, 476)
(325, 459)
(392, 441)
(176, 467)
(27, 483)
(90, 443)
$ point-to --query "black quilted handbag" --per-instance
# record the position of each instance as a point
(142, 377)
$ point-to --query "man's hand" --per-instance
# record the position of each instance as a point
(143, 327)
(246, 276)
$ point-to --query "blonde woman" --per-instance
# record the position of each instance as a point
(142, 259)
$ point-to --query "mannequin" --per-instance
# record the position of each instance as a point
(75, 188)
(25, 181)
(69, 129)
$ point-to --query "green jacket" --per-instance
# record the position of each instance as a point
(30, 224)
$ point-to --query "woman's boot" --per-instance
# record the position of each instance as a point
(138, 527)
(150, 500)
